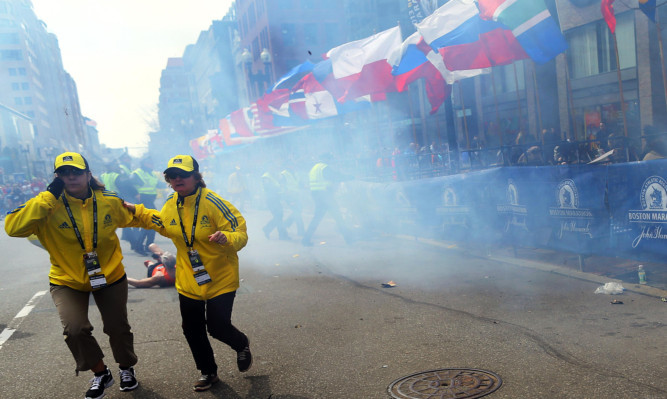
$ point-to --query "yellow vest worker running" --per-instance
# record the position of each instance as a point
(323, 180)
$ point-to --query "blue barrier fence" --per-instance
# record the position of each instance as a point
(611, 210)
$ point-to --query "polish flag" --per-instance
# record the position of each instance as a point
(361, 66)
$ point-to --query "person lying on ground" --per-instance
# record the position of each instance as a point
(161, 272)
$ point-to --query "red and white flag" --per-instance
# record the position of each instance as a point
(361, 66)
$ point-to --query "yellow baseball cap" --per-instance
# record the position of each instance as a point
(72, 159)
(183, 162)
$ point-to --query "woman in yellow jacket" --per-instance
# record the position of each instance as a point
(208, 232)
(75, 220)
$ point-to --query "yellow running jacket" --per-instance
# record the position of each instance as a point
(46, 217)
(220, 261)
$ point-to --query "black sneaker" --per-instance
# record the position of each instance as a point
(205, 381)
(99, 383)
(244, 359)
(128, 379)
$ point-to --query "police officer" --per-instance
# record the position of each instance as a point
(323, 182)
(145, 180)
(126, 190)
(273, 196)
(292, 196)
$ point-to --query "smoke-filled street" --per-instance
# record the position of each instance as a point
(322, 325)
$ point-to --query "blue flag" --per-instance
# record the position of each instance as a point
(294, 75)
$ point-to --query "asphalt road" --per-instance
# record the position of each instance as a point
(322, 325)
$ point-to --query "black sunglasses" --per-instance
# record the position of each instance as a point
(70, 171)
(175, 174)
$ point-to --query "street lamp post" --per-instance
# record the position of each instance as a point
(266, 58)
(246, 60)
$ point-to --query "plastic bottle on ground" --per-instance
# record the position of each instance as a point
(642, 274)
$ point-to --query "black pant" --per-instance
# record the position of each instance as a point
(325, 202)
(144, 237)
(276, 222)
(295, 217)
(214, 315)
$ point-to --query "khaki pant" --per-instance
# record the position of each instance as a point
(111, 301)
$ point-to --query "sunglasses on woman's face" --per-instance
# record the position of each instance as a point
(181, 174)
(70, 171)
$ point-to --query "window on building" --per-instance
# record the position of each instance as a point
(310, 34)
(9, 38)
(7, 23)
(252, 16)
(592, 47)
(507, 80)
(504, 79)
(255, 48)
(25, 86)
(16, 86)
(260, 8)
(18, 101)
(27, 100)
(264, 38)
(11, 55)
(22, 71)
(288, 32)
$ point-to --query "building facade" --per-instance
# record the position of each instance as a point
(275, 36)
(34, 83)
(593, 70)
(580, 88)
(197, 89)
(178, 115)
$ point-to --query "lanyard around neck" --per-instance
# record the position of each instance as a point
(194, 221)
(74, 226)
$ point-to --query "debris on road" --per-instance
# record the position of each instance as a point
(389, 284)
(616, 302)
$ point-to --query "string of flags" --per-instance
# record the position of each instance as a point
(459, 40)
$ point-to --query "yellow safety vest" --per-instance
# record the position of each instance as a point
(269, 176)
(109, 180)
(291, 183)
(316, 176)
(149, 180)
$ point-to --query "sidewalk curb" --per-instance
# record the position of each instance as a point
(546, 267)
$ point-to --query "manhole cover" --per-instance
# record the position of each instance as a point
(445, 383)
